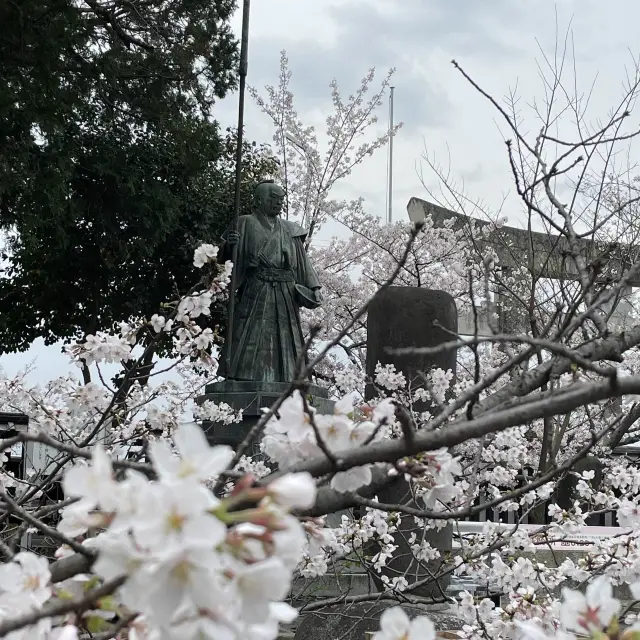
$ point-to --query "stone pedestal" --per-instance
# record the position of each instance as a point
(251, 397)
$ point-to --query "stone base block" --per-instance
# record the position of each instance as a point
(354, 621)
(331, 585)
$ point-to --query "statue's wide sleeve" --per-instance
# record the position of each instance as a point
(306, 275)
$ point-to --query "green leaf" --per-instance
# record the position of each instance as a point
(108, 603)
(93, 582)
(96, 624)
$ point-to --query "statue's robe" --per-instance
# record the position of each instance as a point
(267, 337)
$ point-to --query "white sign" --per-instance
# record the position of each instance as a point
(16, 450)
(38, 457)
(584, 538)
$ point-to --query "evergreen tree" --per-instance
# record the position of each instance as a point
(112, 167)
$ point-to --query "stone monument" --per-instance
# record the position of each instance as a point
(401, 317)
(274, 279)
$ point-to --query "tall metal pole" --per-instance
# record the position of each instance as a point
(244, 46)
(390, 212)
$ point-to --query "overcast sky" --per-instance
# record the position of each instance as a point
(498, 42)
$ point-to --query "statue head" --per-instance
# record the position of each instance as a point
(268, 198)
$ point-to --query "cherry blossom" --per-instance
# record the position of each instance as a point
(199, 549)
(196, 458)
(395, 625)
(589, 612)
(203, 254)
(296, 434)
(27, 574)
(158, 322)
(171, 539)
(93, 483)
(294, 490)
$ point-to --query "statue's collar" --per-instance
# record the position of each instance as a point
(268, 223)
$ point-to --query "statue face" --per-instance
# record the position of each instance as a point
(273, 204)
(270, 199)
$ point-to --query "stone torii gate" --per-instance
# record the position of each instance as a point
(548, 254)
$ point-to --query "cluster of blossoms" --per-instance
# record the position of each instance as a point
(435, 478)
(387, 377)
(529, 616)
(25, 586)
(174, 535)
(291, 436)
(217, 412)
(194, 566)
(503, 556)
(594, 614)
(101, 347)
(349, 380)
(298, 432)
(189, 338)
(351, 537)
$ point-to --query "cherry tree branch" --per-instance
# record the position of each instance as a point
(460, 431)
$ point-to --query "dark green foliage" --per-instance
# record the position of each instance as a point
(112, 168)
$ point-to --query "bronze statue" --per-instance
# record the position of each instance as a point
(274, 279)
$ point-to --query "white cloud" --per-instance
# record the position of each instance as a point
(496, 42)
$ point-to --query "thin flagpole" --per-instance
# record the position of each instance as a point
(244, 46)
(386, 175)
(390, 196)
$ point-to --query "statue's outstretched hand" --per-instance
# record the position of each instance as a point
(318, 295)
(233, 237)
